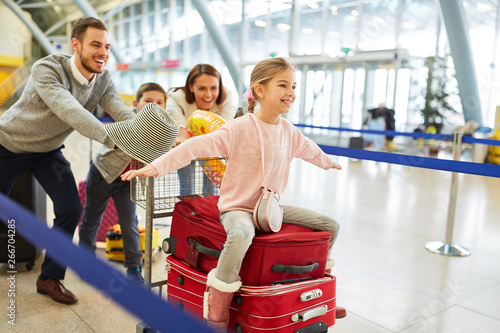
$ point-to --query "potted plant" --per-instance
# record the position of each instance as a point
(440, 97)
(440, 90)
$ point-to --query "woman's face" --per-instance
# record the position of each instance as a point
(206, 91)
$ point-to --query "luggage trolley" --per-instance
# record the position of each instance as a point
(158, 196)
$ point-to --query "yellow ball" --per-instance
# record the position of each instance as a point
(203, 122)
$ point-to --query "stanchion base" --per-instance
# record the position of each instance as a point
(447, 249)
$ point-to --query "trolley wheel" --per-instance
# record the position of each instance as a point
(165, 245)
(29, 265)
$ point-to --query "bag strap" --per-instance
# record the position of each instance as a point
(261, 140)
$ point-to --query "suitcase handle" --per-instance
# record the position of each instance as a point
(279, 268)
(203, 249)
(309, 314)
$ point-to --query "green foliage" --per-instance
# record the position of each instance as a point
(440, 89)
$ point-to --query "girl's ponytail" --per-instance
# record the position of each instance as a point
(250, 99)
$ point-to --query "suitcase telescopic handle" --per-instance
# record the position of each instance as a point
(279, 268)
(203, 249)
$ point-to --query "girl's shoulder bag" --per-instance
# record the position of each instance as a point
(268, 213)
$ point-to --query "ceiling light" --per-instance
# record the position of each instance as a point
(378, 20)
(483, 8)
(163, 43)
(307, 31)
(335, 34)
(150, 48)
(313, 4)
(260, 23)
(283, 26)
(354, 12)
(409, 25)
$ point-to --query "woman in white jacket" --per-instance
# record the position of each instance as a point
(203, 91)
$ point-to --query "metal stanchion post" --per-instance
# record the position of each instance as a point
(143, 327)
(148, 241)
(449, 248)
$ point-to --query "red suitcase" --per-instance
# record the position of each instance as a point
(307, 306)
(293, 254)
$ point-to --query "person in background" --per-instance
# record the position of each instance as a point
(381, 118)
(103, 182)
(203, 91)
(59, 97)
(272, 85)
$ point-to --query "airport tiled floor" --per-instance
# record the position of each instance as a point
(386, 278)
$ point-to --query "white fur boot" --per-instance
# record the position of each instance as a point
(216, 301)
(330, 263)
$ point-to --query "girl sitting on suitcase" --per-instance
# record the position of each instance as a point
(273, 87)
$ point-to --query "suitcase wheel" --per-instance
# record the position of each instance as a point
(180, 280)
(29, 265)
(180, 306)
(238, 300)
(166, 245)
(238, 328)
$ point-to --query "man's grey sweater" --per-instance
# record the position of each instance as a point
(54, 104)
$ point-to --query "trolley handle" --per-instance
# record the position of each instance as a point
(279, 268)
(203, 249)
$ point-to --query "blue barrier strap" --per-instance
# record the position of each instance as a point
(489, 142)
(443, 137)
(105, 119)
(134, 297)
(480, 169)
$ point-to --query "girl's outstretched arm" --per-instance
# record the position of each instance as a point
(147, 171)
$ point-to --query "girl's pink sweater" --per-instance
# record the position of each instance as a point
(238, 140)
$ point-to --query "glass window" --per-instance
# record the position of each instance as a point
(481, 18)
(196, 53)
(150, 5)
(401, 101)
(164, 18)
(345, 23)
(309, 32)
(280, 33)
(378, 25)
(151, 25)
(379, 88)
(258, 40)
(351, 26)
(126, 33)
(258, 31)
(138, 9)
(419, 26)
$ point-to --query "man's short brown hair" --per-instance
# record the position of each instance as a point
(81, 25)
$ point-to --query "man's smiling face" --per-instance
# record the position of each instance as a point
(92, 53)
